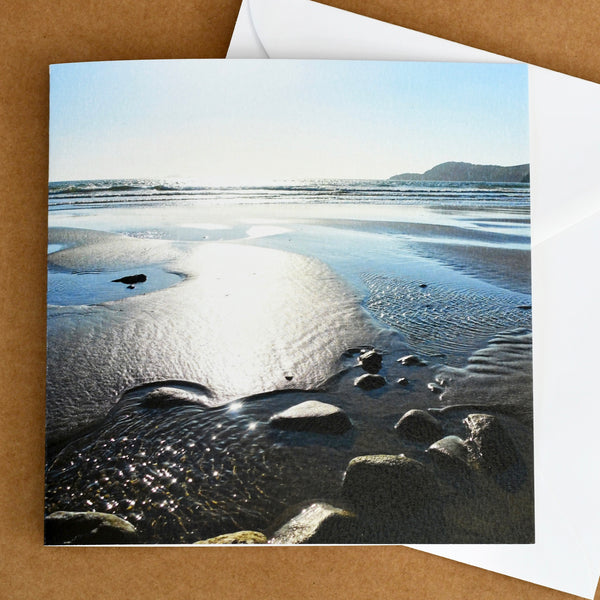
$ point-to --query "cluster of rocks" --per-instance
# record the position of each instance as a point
(467, 479)
(469, 489)
(453, 489)
(457, 491)
(371, 361)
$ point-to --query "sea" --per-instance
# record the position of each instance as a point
(65, 194)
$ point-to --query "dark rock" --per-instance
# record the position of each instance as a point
(385, 482)
(450, 451)
(63, 527)
(419, 426)
(411, 360)
(239, 537)
(495, 445)
(130, 279)
(402, 381)
(371, 361)
(314, 416)
(423, 285)
(525, 307)
(288, 377)
(131, 287)
(320, 523)
(370, 381)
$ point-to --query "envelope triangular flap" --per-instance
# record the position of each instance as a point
(301, 29)
(245, 42)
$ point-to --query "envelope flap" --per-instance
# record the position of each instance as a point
(245, 42)
(287, 28)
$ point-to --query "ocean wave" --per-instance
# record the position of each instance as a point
(437, 195)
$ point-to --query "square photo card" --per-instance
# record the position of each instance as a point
(289, 302)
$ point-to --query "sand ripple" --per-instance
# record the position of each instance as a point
(441, 319)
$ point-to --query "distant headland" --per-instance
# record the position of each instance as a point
(462, 171)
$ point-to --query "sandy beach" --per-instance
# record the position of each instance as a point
(238, 321)
(160, 395)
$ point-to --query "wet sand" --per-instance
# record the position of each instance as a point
(262, 315)
(239, 322)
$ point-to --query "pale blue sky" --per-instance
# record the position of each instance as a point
(255, 120)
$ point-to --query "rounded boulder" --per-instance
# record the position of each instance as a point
(495, 445)
(383, 482)
(314, 416)
(411, 360)
(239, 537)
(419, 426)
(94, 528)
(320, 523)
(449, 452)
(370, 381)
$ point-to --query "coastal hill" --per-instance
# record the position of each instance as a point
(462, 171)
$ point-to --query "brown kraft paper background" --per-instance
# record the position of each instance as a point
(34, 34)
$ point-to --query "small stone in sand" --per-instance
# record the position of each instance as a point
(130, 279)
(314, 416)
(371, 361)
(370, 381)
(411, 360)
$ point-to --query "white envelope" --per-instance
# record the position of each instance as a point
(565, 205)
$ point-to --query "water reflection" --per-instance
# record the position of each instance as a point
(73, 288)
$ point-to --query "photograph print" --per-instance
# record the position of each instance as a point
(289, 302)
